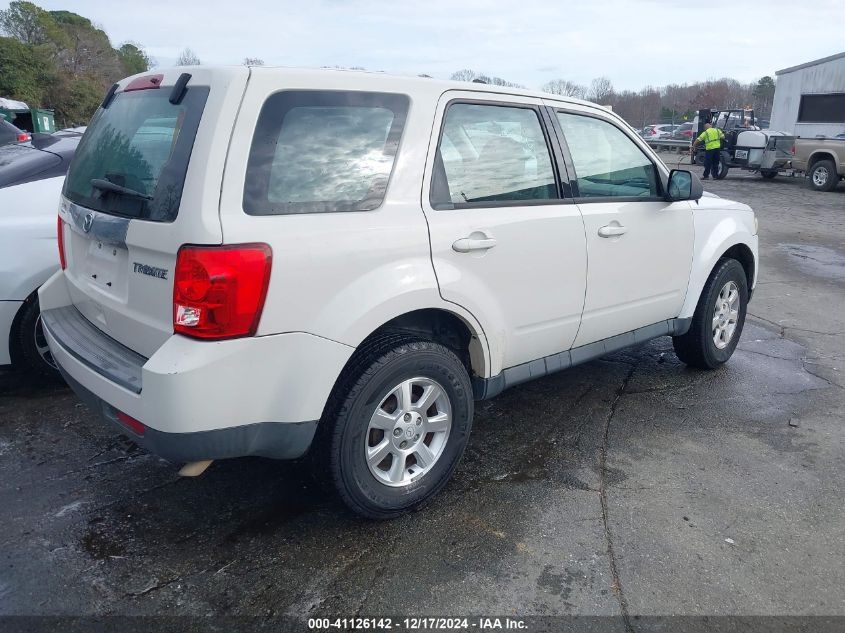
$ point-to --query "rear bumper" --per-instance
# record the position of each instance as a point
(279, 440)
(199, 399)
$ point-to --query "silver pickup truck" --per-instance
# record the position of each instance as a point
(822, 159)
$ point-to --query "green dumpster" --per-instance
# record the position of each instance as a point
(32, 120)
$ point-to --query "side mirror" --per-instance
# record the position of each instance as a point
(683, 185)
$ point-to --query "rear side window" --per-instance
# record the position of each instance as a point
(142, 144)
(607, 163)
(491, 153)
(323, 151)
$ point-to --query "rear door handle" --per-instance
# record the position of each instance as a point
(612, 230)
(470, 244)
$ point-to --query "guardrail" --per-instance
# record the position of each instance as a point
(672, 145)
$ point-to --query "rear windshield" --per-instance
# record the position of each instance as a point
(323, 151)
(141, 143)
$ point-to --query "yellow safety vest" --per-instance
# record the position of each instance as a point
(711, 138)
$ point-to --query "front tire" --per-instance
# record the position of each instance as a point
(823, 176)
(396, 425)
(718, 320)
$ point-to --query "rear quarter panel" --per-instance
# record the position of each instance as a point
(28, 250)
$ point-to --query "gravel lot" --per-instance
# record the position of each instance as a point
(628, 486)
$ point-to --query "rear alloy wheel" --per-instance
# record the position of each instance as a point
(718, 319)
(396, 425)
(823, 176)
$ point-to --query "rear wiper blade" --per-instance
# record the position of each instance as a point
(108, 185)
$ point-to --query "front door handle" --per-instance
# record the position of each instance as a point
(470, 244)
(612, 230)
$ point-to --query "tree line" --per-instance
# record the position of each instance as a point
(63, 61)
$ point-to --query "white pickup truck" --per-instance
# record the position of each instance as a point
(261, 261)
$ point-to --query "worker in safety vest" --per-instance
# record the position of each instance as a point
(712, 138)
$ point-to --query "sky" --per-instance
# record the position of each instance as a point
(635, 43)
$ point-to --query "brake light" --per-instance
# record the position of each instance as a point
(131, 423)
(60, 235)
(23, 136)
(219, 291)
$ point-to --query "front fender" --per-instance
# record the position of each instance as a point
(716, 231)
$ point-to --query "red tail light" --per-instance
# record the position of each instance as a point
(60, 234)
(131, 423)
(219, 291)
(23, 136)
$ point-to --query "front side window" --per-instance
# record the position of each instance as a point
(607, 163)
(323, 151)
(491, 153)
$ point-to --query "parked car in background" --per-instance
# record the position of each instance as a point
(11, 134)
(267, 261)
(31, 177)
(822, 159)
(684, 132)
(657, 131)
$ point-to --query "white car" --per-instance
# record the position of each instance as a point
(657, 131)
(31, 177)
(262, 261)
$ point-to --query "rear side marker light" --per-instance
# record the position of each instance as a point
(219, 291)
(60, 234)
(131, 423)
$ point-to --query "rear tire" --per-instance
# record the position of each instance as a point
(380, 407)
(27, 344)
(768, 174)
(715, 330)
(823, 176)
(723, 167)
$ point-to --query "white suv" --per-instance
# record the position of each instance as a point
(259, 261)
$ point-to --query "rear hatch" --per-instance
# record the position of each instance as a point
(144, 181)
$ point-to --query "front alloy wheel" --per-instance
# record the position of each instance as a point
(725, 315)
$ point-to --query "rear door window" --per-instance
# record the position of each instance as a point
(323, 151)
(491, 154)
(141, 143)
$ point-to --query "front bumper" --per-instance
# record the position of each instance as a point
(199, 399)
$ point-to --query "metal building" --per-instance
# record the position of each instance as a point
(810, 98)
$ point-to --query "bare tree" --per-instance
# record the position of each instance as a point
(601, 90)
(188, 58)
(566, 88)
(253, 61)
(464, 75)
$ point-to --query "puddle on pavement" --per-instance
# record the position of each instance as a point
(816, 260)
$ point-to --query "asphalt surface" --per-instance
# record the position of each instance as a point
(628, 486)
